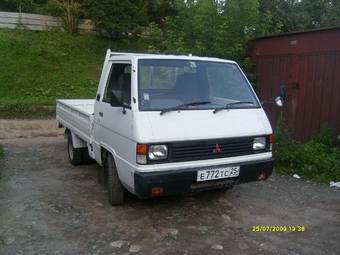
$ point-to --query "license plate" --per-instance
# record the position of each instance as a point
(218, 173)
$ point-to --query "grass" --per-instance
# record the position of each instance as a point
(39, 67)
(317, 159)
(311, 160)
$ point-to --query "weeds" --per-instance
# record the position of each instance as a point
(316, 159)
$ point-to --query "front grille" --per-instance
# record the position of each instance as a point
(211, 149)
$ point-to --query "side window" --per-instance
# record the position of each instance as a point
(119, 83)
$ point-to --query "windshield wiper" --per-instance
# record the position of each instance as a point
(183, 106)
(228, 106)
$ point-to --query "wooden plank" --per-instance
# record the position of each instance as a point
(9, 20)
(26, 21)
(27, 15)
(38, 22)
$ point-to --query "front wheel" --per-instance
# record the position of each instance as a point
(114, 186)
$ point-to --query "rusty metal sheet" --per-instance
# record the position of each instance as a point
(311, 74)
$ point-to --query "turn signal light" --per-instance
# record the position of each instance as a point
(271, 138)
(271, 141)
(157, 192)
(142, 149)
(141, 152)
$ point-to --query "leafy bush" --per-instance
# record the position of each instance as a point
(325, 136)
(115, 17)
(17, 5)
(315, 159)
(70, 14)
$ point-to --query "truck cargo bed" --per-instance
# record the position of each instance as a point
(76, 115)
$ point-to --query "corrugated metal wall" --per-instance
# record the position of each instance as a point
(308, 64)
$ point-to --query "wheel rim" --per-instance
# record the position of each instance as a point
(70, 150)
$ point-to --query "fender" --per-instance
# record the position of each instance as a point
(117, 160)
(77, 142)
(108, 149)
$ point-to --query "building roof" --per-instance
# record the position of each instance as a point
(325, 29)
(324, 40)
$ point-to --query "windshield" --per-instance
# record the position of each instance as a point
(165, 84)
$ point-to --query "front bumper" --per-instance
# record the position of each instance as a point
(184, 181)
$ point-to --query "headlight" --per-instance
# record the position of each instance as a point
(158, 152)
(259, 143)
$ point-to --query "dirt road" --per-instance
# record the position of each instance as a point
(48, 206)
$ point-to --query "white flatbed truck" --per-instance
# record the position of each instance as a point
(169, 124)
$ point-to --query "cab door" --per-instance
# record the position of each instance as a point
(113, 122)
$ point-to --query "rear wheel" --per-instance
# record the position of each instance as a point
(114, 186)
(74, 154)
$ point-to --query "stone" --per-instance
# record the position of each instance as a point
(117, 244)
(203, 229)
(9, 240)
(173, 231)
(226, 217)
(217, 247)
(134, 248)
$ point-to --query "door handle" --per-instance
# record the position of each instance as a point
(101, 114)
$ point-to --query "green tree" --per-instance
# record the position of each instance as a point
(70, 10)
(214, 28)
(331, 16)
(295, 15)
(115, 16)
(17, 5)
(287, 13)
(313, 12)
(158, 9)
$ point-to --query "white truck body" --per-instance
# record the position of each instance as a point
(118, 130)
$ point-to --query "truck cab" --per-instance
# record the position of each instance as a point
(168, 124)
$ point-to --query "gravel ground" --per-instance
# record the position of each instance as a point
(48, 206)
(10, 129)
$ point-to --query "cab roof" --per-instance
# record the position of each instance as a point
(113, 55)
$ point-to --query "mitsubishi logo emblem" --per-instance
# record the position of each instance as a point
(217, 149)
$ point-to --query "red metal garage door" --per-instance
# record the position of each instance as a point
(312, 82)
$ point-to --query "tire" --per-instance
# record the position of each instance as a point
(86, 159)
(102, 175)
(114, 187)
(74, 154)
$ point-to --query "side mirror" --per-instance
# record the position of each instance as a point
(114, 100)
(283, 93)
(279, 101)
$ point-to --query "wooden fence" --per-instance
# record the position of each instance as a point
(38, 22)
